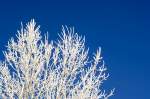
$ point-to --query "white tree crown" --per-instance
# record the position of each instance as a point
(38, 69)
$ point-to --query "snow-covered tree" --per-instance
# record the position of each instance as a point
(35, 68)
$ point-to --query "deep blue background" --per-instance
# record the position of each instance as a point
(120, 27)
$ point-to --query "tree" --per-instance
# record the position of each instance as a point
(38, 69)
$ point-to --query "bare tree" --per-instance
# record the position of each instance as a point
(37, 69)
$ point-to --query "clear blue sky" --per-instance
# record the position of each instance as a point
(120, 27)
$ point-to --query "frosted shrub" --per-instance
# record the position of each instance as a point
(35, 68)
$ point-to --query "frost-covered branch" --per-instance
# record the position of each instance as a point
(36, 68)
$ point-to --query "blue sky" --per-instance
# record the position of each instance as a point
(120, 27)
